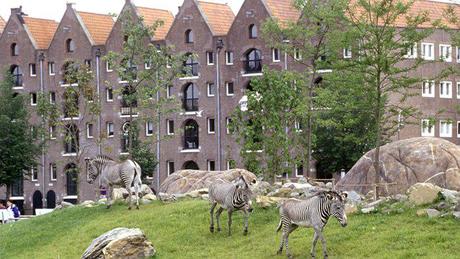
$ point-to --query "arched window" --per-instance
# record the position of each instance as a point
(190, 65)
(71, 139)
(14, 49)
(190, 98)
(70, 45)
(190, 165)
(17, 75)
(254, 61)
(188, 36)
(252, 31)
(71, 172)
(51, 199)
(191, 135)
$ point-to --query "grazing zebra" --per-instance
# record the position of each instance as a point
(313, 212)
(232, 197)
(125, 174)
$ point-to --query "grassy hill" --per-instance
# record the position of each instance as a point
(181, 230)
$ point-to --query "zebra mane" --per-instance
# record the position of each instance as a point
(103, 157)
(324, 192)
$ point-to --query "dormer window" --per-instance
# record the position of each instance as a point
(253, 61)
(252, 31)
(14, 49)
(70, 46)
(189, 36)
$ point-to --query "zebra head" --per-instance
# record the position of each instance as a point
(243, 188)
(337, 209)
(91, 170)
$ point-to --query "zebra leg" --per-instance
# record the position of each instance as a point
(313, 246)
(246, 219)
(130, 192)
(219, 211)
(323, 242)
(136, 191)
(211, 227)
(280, 250)
(109, 196)
(286, 241)
(230, 222)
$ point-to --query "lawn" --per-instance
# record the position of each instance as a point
(181, 230)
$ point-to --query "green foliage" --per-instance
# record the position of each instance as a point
(18, 144)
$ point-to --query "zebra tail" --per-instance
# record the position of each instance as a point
(279, 226)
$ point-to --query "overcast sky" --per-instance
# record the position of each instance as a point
(54, 9)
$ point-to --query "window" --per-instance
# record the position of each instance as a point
(191, 131)
(33, 69)
(108, 66)
(231, 164)
(297, 54)
(458, 90)
(110, 130)
(229, 57)
(211, 165)
(229, 89)
(458, 54)
(70, 104)
(211, 126)
(254, 61)
(89, 130)
(252, 31)
(276, 55)
(445, 52)
(14, 49)
(210, 58)
(347, 53)
(170, 166)
(88, 63)
(33, 99)
(412, 51)
(458, 129)
(149, 128)
(190, 101)
(228, 121)
(428, 51)
(68, 72)
(52, 98)
(445, 128)
(71, 140)
(53, 132)
(298, 126)
(34, 174)
(17, 75)
(427, 128)
(52, 68)
(53, 172)
(299, 169)
(445, 89)
(191, 66)
(170, 127)
(148, 65)
(169, 92)
(211, 90)
(71, 173)
(189, 36)
(109, 94)
(70, 45)
(428, 88)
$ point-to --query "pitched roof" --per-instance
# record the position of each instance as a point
(283, 10)
(42, 30)
(152, 15)
(2, 24)
(219, 16)
(98, 25)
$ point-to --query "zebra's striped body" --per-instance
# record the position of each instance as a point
(232, 197)
(313, 212)
(112, 174)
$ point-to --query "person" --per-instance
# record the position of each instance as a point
(2, 206)
(14, 210)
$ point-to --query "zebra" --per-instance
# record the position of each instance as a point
(232, 197)
(313, 212)
(124, 174)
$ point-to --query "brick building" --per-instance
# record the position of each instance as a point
(228, 52)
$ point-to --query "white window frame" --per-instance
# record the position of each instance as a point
(32, 173)
(52, 133)
(424, 132)
(107, 94)
(297, 126)
(458, 90)
(227, 123)
(449, 89)
(229, 58)
(208, 92)
(32, 101)
(458, 129)
(274, 51)
(458, 54)
(210, 54)
(108, 68)
(108, 124)
(168, 165)
(297, 171)
(168, 128)
(297, 54)
(30, 69)
(431, 85)
(209, 126)
(347, 53)
(147, 65)
(53, 171)
(51, 68)
(148, 126)
(447, 134)
(431, 45)
(51, 94)
(209, 165)
(226, 89)
(228, 163)
(88, 131)
(169, 91)
(414, 50)
(448, 56)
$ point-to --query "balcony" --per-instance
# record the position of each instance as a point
(253, 66)
(125, 111)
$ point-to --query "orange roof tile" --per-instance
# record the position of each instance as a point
(98, 25)
(219, 16)
(283, 10)
(2, 24)
(42, 30)
(152, 15)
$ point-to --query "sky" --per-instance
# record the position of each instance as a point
(54, 9)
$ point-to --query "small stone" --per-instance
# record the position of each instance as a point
(329, 185)
(450, 196)
(375, 203)
(150, 197)
(145, 201)
(421, 212)
(456, 214)
(423, 193)
(368, 210)
(295, 194)
(401, 197)
(65, 204)
(432, 213)
(442, 206)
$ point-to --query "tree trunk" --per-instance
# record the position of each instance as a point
(309, 125)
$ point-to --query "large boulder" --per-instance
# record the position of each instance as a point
(423, 193)
(405, 163)
(186, 181)
(120, 243)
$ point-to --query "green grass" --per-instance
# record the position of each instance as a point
(181, 230)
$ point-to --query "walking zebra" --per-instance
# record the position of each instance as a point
(125, 174)
(232, 197)
(313, 212)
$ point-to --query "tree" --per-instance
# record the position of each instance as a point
(18, 146)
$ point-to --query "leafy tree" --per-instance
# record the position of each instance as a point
(18, 146)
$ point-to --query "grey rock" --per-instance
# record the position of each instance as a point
(375, 203)
(456, 214)
(450, 195)
(367, 210)
(65, 204)
(400, 197)
(432, 213)
(354, 197)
